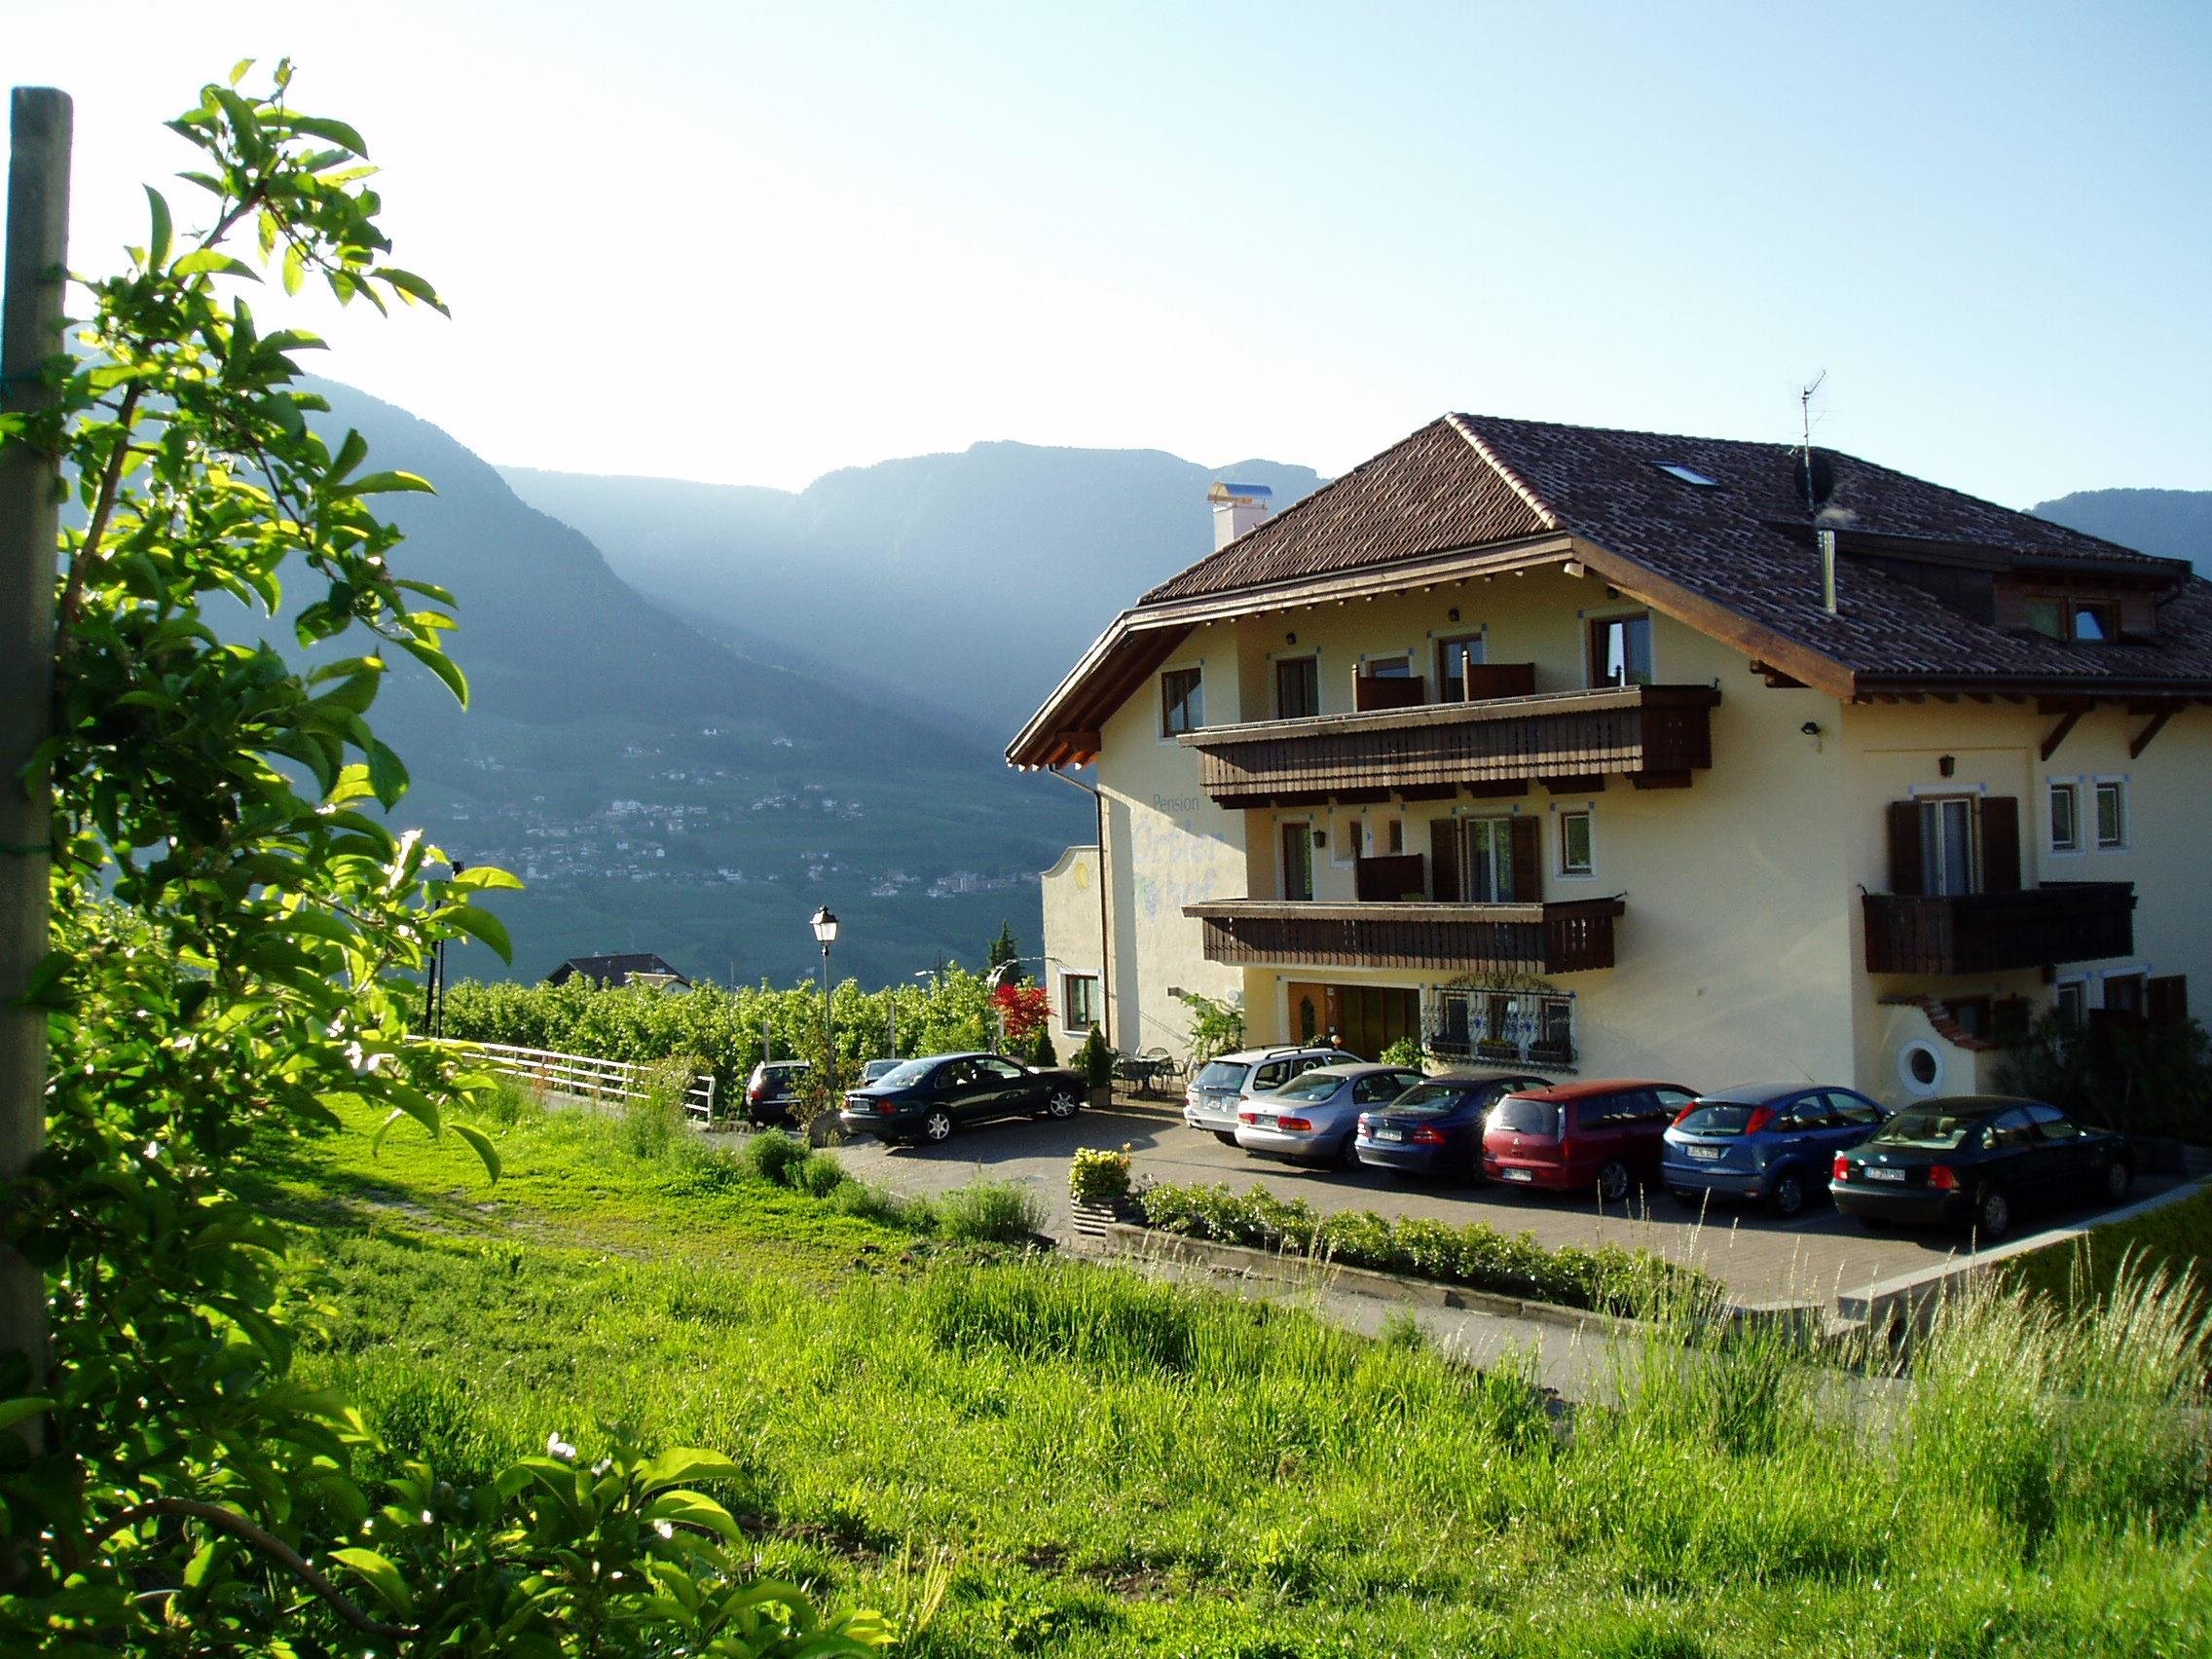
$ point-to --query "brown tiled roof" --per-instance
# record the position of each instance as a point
(1466, 480)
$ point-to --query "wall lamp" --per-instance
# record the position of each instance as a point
(1811, 728)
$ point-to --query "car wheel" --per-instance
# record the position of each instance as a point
(1787, 1197)
(1062, 1104)
(2118, 1177)
(1347, 1155)
(937, 1127)
(1225, 1137)
(1613, 1182)
(1993, 1214)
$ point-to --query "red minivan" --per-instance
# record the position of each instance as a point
(1576, 1136)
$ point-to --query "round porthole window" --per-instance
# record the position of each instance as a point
(1920, 1068)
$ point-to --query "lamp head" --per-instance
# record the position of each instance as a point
(826, 926)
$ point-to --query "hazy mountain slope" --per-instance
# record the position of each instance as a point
(674, 794)
(967, 582)
(2175, 523)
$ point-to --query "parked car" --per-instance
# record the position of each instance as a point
(926, 1099)
(1978, 1160)
(1312, 1118)
(1773, 1142)
(874, 1069)
(1575, 1137)
(1437, 1127)
(1224, 1084)
(772, 1091)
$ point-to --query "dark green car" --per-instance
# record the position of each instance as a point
(924, 1100)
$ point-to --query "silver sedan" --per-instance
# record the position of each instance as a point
(1312, 1118)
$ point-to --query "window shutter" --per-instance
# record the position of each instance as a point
(2000, 844)
(2168, 999)
(1444, 860)
(1905, 847)
(1528, 860)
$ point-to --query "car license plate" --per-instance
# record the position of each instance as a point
(1390, 1134)
(1517, 1175)
(1703, 1154)
(1875, 1172)
(1263, 1122)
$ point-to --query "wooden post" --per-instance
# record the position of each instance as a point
(30, 334)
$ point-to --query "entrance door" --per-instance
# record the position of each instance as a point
(1313, 1012)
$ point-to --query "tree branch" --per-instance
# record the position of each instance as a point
(268, 1543)
(110, 479)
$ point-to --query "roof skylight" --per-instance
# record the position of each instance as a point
(1688, 474)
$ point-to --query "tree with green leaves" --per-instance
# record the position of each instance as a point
(1005, 952)
(234, 922)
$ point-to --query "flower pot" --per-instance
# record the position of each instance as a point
(1102, 1096)
(1091, 1217)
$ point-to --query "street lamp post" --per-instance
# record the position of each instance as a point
(826, 932)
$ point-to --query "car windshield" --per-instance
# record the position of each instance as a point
(1222, 1075)
(905, 1074)
(1932, 1130)
(1517, 1115)
(1717, 1117)
(1314, 1085)
(1429, 1099)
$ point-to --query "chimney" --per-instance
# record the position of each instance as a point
(1238, 508)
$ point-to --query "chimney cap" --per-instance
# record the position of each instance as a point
(1227, 492)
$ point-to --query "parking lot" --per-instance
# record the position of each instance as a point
(1759, 1259)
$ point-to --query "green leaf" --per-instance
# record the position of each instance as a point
(22, 1408)
(241, 69)
(484, 926)
(388, 776)
(380, 1575)
(158, 244)
(337, 131)
(384, 483)
(481, 1143)
(352, 450)
(428, 590)
(428, 653)
(692, 1509)
(486, 876)
(686, 1463)
(208, 261)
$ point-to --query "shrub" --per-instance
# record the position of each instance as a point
(773, 1156)
(1095, 1060)
(990, 1212)
(1096, 1175)
(2143, 1079)
(1046, 1055)
(1609, 1278)
(818, 1175)
(1216, 1027)
(1404, 1051)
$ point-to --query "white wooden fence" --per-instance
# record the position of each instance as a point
(580, 1076)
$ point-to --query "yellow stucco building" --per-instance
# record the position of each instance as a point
(1621, 753)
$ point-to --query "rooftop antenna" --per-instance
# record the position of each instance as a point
(1816, 481)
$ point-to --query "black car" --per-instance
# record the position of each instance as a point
(1978, 1160)
(924, 1099)
(1436, 1127)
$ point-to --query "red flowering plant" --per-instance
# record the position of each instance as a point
(1022, 1010)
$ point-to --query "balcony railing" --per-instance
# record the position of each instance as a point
(1984, 932)
(1654, 733)
(1446, 939)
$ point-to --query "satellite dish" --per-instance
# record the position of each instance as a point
(1816, 478)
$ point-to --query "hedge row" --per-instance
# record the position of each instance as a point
(1609, 1279)
(728, 1031)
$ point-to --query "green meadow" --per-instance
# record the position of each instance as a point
(1014, 1453)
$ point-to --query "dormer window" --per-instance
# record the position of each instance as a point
(1688, 474)
(2066, 618)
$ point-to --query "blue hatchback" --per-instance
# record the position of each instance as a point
(1771, 1141)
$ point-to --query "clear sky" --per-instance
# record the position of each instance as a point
(749, 242)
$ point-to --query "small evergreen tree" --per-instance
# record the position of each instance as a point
(1005, 952)
(1095, 1060)
(1047, 1054)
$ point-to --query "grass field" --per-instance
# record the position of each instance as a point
(1024, 1455)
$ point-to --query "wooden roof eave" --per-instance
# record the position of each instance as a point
(1716, 621)
(1064, 730)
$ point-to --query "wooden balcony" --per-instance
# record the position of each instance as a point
(1984, 932)
(1654, 734)
(1442, 939)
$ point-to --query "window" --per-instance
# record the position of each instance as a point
(1620, 651)
(2112, 812)
(1688, 474)
(2125, 994)
(2070, 1001)
(1848, 1111)
(2008, 1132)
(2065, 818)
(1390, 668)
(1503, 1026)
(1393, 836)
(1575, 857)
(1971, 1015)
(1298, 862)
(2060, 617)
(1453, 657)
(1489, 861)
(1298, 687)
(1182, 701)
(2051, 1125)
(992, 1069)
(1079, 1002)
(1947, 846)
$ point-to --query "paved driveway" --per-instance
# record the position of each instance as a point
(1758, 1258)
